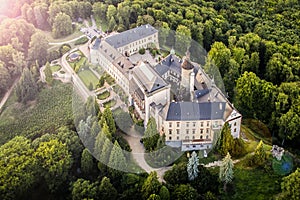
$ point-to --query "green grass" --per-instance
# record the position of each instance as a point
(51, 110)
(255, 183)
(87, 77)
(110, 80)
(55, 68)
(72, 36)
(103, 95)
(109, 104)
(82, 40)
(256, 130)
(79, 63)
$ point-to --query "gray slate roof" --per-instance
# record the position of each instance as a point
(185, 111)
(132, 35)
(148, 77)
(171, 62)
(96, 44)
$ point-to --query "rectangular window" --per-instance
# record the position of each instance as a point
(235, 130)
(207, 124)
(177, 137)
(194, 131)
(177, 130)
(187, 124)
(187, 131)
(170, 124)
(178, 124)
(207, 130)
(201, 124)
(170, 131)
(170, 138)
(194, 124)
(201, 131)
(234, 123)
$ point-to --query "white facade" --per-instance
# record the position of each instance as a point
(150, 93)
(135, 46)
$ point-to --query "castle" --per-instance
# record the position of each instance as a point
(185, 102)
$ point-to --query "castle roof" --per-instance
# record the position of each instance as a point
(190, 111)
(132, 35)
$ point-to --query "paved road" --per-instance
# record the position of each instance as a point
(77, 83)
(64, 42)
(138, 152)
(7, 94)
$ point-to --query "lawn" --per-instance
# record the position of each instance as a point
(76, 65)
(110, 80)
(256, 130)
(109, 103)
(55, 68)
(51, 110)
(255, 183)
(103, 95)
(87, 77)
(74, 35)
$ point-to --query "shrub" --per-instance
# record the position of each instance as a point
(64, 48)
(81, 40)
(142, 51)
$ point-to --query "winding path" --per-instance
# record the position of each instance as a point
(138, 152)
(64, 42)
(7, 94)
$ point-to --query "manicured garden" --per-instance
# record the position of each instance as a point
(110, 103)
(103, 95)
(88, 77)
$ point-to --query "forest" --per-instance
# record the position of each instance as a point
(255, 44)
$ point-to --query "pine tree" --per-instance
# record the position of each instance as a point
(225, 142)
(48, 74)
(86, 161)
(26, 89)
(108, 117)
(226, 170)
(95, 129)
(106, 151)
(260, 155)
(107, 190)
(117, 159)
(151, 135)
(192, 166)
(99, 144)
(164, 193)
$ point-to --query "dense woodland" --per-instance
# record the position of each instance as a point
(255, 45)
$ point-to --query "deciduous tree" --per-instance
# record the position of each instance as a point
(17, 168)
(84, 189)
(55, 162)
(290, 186)
(151, 185)
(38, 48)
(62, 25)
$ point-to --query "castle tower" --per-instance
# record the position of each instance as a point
(186, 69)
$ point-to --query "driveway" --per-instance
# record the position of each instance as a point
(138, 152)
